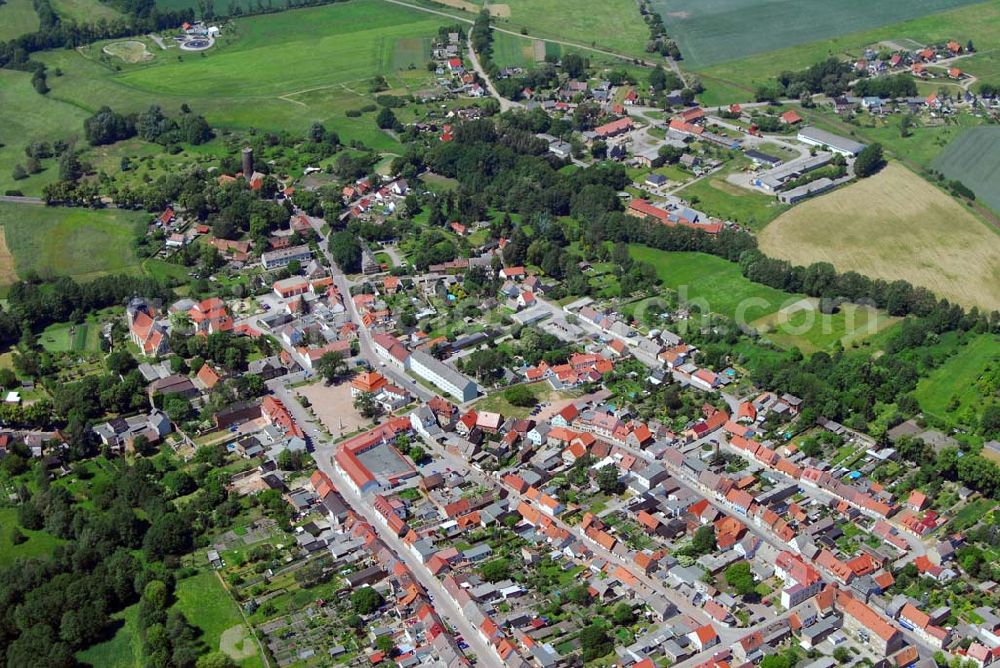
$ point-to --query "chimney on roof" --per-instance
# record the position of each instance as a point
(247, 162)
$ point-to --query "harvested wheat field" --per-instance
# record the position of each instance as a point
(895, 225)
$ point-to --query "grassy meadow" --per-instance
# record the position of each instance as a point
(38, 546)
(278, 71)
(84, 11)
(714, 281)
(207, 605)
(715, 31)
(788, 320)
(614, 25)
(956, 387)
(732, 65)
(26, 116)
(894, 225)
(974, 159)
(17, 17)
(82, 243)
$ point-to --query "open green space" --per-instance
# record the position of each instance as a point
(66, 337)
(961, 387)
(714, 282)
(207, 605)
(804, 326)
(974, 159)
(26, 116)
(82, 243)
(614, 25)
(786, 319)
(715, 31)
(732, 61)
(278, 71)
(17, 17)
(84, 11)
(38, 546)
(718, 197)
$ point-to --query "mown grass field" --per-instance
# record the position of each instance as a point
(958, 379)
(789, 320)
(17, 17)
(974, 159)
(731, 64)
(894, 225)
(614, 25)
(715, 282)
(279, 71)
(26, 116)
(208, 606)
(82, 243)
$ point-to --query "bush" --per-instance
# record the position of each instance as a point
(519, 395)
(353, 113)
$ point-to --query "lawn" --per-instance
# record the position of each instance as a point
(17, 17)
(65, 337)
(38, 546)
(732, 60)
(714, 282)
(82, 243)
(717, 197)
(207, 605)
(613, 25)
(894, 225)
(974, 159)
(26, 116)
(958, 388)
(280, 71)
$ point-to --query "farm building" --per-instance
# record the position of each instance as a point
(842, 145)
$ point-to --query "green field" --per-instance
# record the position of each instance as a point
(279, 71)
(956, 387)
(65, 337)
(715, 31)
(17, 17)
(730, 72)
(786, 319)
(82, 243)
(26, 116)
(715, 282)
(614, 25)
(38, 546)
(208, 606)
(84, 11)
(802, 325)
(974, 159)
(717, 197)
